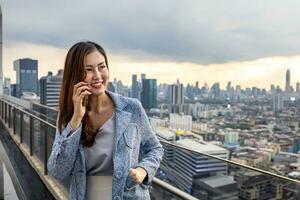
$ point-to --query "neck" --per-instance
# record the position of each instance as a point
(98, 103)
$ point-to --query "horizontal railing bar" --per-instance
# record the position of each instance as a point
(46, 107)
(29, 114)
(174, 190)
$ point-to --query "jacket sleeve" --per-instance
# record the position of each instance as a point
(64, 151)
(152, 151)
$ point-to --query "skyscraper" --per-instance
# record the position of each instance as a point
(297, 87)
(27, 76)
(50, 89)
(296, 145)
(134, 87)
(149, 93)
(277, 102)
(176, 93)
(6, 86)
(215, 91)
(288, 81)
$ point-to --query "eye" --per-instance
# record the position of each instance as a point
(102, 66)
(88, 69)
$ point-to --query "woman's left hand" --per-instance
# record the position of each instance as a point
(138, 174)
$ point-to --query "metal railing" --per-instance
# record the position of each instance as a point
(23, 127)
(13, 114)
(38, 135)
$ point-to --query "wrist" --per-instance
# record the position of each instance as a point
(75, 123)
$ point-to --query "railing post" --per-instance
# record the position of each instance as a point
(2, 110)
(31, 135)
(46, 149)
(9, 116)
(5, 113)
(14, 119)
(21, 126)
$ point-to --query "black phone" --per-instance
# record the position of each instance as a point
(85, 100)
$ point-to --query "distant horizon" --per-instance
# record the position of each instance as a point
(127, 82)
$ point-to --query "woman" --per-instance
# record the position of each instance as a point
(103, 140)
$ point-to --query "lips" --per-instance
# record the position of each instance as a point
(97, 85)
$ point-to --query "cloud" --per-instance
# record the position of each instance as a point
(195, 31)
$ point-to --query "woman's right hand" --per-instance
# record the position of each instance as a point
(80, 90)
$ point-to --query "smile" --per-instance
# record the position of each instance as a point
(97, 85)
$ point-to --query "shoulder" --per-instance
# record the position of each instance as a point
(133, 104)
(127, 104)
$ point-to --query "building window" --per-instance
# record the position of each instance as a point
(22, 70)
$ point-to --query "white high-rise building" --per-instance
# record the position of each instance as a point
(189, 165)
(176, 93)
(277, 102)
(183, 122)
(50, 89)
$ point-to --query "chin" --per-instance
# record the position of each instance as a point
(98, 92)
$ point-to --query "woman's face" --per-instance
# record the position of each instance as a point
(97, 75)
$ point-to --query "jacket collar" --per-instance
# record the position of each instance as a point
(120, 101)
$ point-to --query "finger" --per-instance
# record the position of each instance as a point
(81, 83)
(132, 172)
(136, 180)
(83, 94)
(81, 89)
(134, 176)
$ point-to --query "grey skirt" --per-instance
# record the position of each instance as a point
(99, 186)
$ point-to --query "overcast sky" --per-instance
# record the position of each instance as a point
(210, 36)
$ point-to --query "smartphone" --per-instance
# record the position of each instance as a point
(85, 101)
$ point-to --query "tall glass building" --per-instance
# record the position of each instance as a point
(26, 76)
(134, 87)
(149, 93)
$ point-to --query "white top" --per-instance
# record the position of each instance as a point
(99, 156)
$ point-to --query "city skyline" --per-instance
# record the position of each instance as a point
(223, 84)
(263, 75)
(201, 42)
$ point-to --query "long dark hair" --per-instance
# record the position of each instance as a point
(74, 72)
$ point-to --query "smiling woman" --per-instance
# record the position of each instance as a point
(106, 145)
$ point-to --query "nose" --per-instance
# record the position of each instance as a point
(96, 74)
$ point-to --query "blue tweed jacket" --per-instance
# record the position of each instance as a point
(135, 145)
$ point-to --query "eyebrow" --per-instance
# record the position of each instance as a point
(101, 63)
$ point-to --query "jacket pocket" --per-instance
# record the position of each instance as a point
(130, 135)
(130, 184)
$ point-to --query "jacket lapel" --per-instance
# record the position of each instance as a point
(122, 116)
(122, 122)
